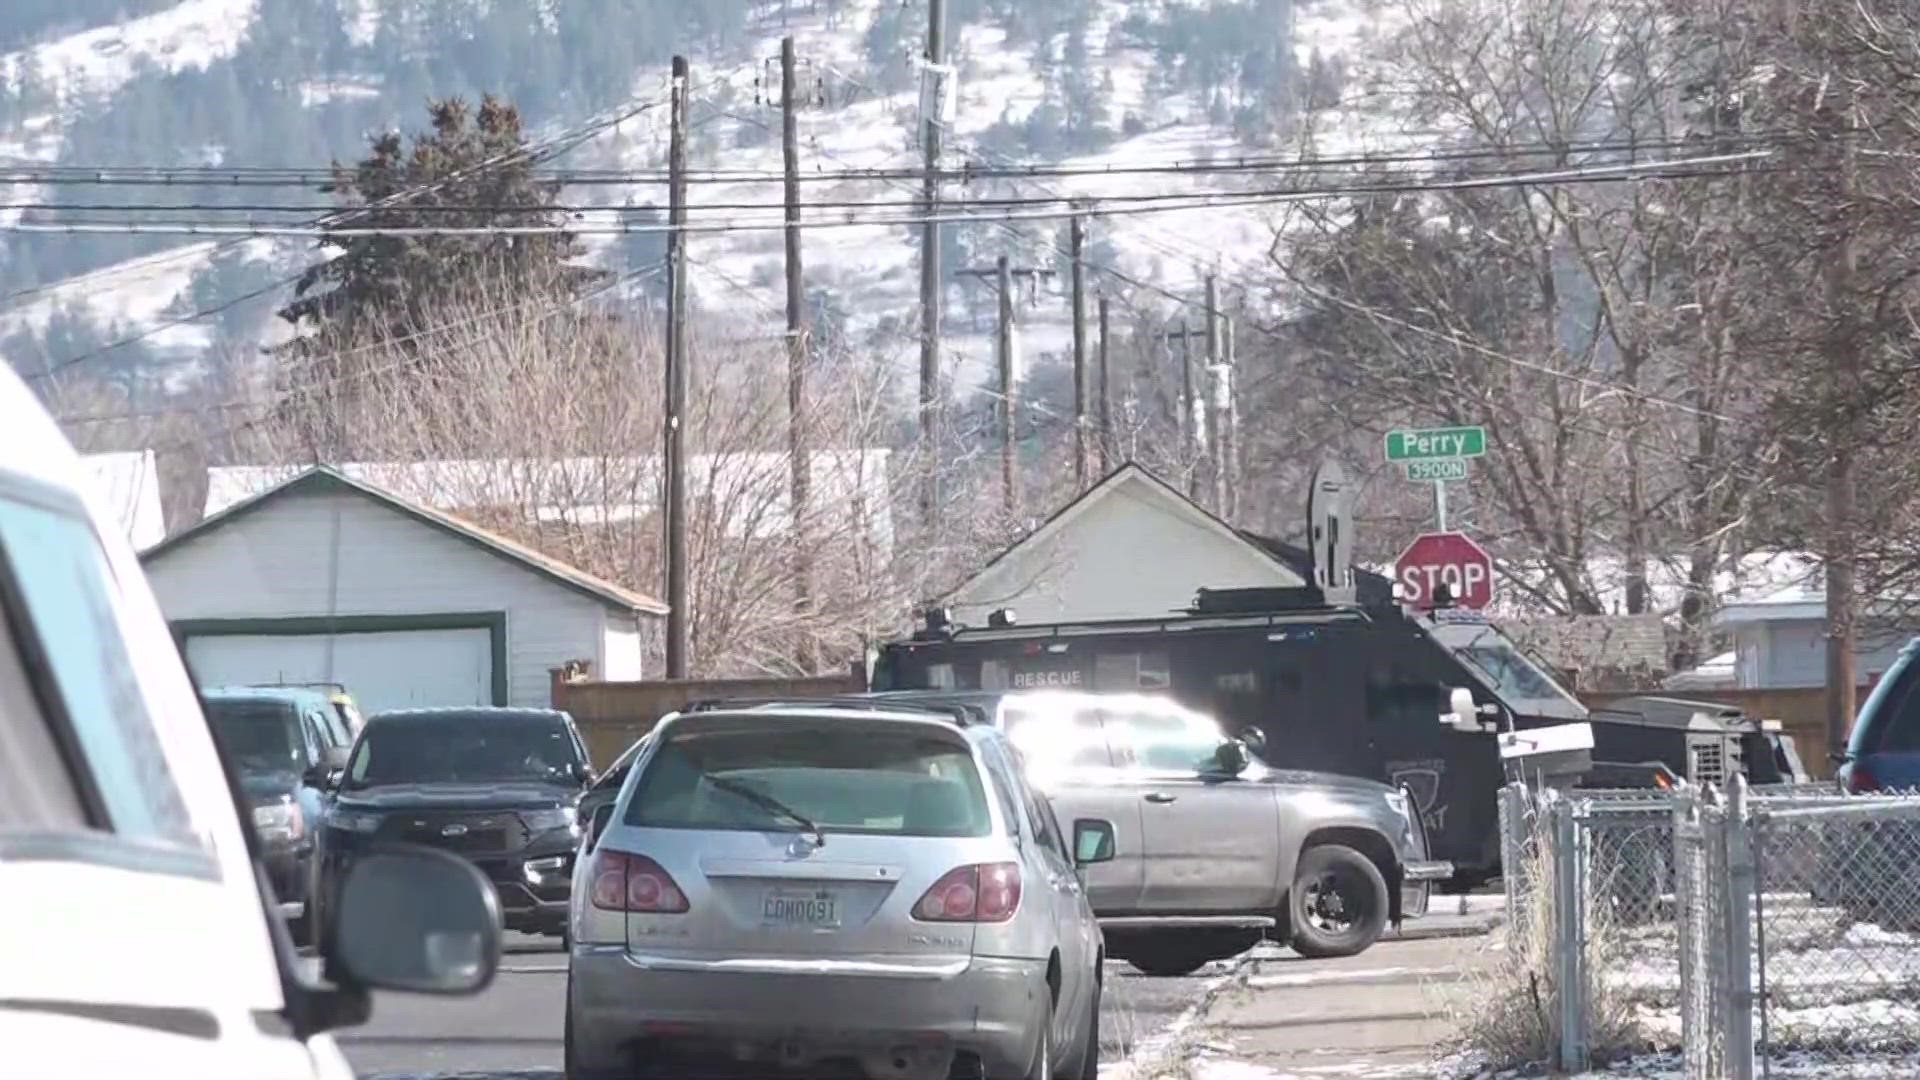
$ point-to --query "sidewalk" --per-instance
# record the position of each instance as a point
(1375, 1016)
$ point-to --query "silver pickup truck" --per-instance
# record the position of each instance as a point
(1213, 849)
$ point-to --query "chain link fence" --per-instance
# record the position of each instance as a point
(1837, 925)
(1752, 929)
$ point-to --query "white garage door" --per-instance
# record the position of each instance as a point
(385, 670)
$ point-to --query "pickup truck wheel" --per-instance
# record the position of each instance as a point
(1338, 903)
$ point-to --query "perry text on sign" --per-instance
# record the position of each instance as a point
(1460, 442)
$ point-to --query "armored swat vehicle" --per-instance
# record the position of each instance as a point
(1357, 687)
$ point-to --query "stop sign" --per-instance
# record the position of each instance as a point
(1451, 559)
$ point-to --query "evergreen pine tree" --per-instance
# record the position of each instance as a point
(393, 284)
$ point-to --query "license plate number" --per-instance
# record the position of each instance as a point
(801, 909)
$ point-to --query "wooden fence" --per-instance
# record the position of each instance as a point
(611, 715)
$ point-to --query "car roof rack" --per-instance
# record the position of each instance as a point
(962, 715)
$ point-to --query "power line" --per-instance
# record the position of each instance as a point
(1090, 203)
(56, 367)
(540, 150)
(1274, 334)
(536, 151)
(1118, 274)
(1269, 332)
(1695, 168)
(1512, 360)
(271, 176)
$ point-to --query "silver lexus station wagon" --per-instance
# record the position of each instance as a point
(831, 885)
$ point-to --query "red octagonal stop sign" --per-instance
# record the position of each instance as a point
(1451, 559)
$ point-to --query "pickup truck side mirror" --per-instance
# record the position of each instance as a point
(1230, 759)
(1092, 841)
(325, 774)
(584, 773)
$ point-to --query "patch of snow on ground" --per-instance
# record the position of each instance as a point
(315, 92)
(1359, 977)
(131, 291)
(363, 21)
(193, 34)
(1785, 1066)
(1207, 1067)
(139, 293)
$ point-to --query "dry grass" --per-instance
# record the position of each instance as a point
(1506, 1013)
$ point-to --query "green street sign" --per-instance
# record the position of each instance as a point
(1437, 469)
(1457, 442)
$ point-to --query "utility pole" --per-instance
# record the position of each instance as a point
(1106, 391)
(679, 640)
(1189, 426)
(1080, 449)
(930, 263)
(1006, 356)
(1843, 364)
(1225, 424)
(799, 460)
(1009, 468)
(1209, 442)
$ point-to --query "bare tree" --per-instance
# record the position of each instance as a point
(543, 424)
(1565, 317)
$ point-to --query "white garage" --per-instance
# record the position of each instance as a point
(327, 579)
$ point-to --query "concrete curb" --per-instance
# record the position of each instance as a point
(1157, 1052)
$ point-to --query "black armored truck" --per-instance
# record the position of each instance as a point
(1356, 687)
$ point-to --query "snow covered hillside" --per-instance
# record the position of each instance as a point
(1083, 85)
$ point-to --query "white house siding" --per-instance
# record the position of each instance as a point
(277, 562)
(1132, 553)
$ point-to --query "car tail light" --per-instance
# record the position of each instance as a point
(986, 893)
(1860, 780)
(626, 882)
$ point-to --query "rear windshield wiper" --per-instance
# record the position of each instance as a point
(768, 802)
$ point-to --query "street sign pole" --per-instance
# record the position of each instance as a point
(1439, 506)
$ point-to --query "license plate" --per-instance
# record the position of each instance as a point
(806, 909)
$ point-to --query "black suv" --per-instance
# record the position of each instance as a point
(284, 745)
(501, 787)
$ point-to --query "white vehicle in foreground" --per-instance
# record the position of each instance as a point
(138, 935)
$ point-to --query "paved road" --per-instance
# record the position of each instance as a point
(513, 1030)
